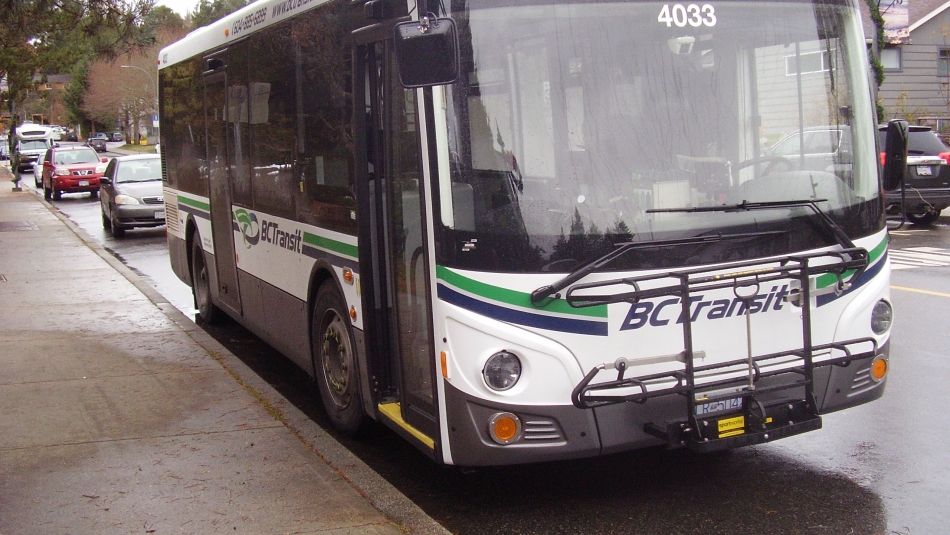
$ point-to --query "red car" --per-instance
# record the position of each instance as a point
(72, 170)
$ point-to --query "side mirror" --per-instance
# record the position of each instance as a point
(426, 52)
(104, 180)
(55, 145)
(895, 155)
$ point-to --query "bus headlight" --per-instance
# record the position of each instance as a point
(881, 317)
(502, 370)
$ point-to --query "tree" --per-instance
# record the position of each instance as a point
(124, 88)
(49, 34)
(208, 11)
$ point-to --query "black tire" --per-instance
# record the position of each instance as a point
(57, 195)
(106, 222)
(334, 361)
(37, 183)
(94, 194)
(200, 283)
(47, 194)
(118, 231)
(926, 218)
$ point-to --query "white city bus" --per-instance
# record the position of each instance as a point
(580, 241)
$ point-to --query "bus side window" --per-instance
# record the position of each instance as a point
(272, 95)
(324, 158)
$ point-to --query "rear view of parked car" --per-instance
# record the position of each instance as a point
(927, 186)
(97, 142)
(131, 194)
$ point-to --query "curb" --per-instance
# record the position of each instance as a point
(367, 482)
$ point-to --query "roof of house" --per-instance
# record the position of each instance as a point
(918, 13)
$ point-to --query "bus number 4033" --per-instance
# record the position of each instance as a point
(682, 15)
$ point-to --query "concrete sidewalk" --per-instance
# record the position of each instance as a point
(120, 415)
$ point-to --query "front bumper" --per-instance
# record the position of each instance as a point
(566, 432)
(140, 215)
(76, 184)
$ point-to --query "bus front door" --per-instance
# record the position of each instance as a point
(219, 190)
(401, 334)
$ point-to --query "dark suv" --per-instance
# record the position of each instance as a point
(927, 188)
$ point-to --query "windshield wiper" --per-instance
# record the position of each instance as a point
(834, 230)
(622, 248)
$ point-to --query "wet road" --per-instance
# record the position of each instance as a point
(879, 468)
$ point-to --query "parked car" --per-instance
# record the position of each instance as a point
(927, 185)
(38, 171)
(97, 141)
(116, 136)
(4, 147)
(71, 170)
(131, 194)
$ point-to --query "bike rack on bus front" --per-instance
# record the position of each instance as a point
(758, 422)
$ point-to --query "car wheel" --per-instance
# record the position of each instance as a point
(57, 195)
(118, 230)
(334, 361)
(47, 193)
(37, 183)
(925, 218)
(201, 283)
(106, 222)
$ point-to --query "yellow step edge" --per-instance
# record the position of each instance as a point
(394, 413)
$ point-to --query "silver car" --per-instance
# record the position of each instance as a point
(38, 171)
(130, 193)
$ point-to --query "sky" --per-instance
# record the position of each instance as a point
(182, 7)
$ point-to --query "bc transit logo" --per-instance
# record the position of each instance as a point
(247, 222)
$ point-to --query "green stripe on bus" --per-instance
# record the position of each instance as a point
(194, 204)
(830, 278)
(338, 247)
(512, 297)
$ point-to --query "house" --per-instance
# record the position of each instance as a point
(916, 64)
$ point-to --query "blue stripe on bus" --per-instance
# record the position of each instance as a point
(193, 211)
(551, 323)
(863, 279)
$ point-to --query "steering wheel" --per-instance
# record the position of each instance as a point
(770, 161)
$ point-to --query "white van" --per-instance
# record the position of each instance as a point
(32, 141)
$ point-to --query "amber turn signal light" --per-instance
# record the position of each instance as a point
(504, 428)
(878, 368)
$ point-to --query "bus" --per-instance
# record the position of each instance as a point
(526, 231)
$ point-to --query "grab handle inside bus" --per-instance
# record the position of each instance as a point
(895, 155)
(426, 51)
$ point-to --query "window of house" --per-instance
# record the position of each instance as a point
(808, 62)
(943, 62)
(891, 59)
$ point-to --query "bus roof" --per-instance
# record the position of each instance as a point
(237, 25)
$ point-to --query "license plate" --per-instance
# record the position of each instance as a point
(83, 182)
(719, 406)
(924, 170)
(160, 214)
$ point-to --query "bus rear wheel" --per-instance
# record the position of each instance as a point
(200, 282)
(334, 358)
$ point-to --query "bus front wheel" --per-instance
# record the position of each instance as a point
(334, 359)
(200, 282)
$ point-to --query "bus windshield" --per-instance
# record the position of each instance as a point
(572, 124)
